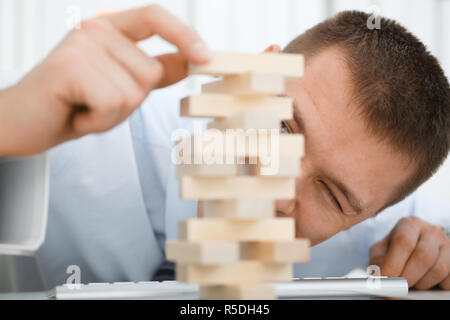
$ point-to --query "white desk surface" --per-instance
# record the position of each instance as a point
(413, 295)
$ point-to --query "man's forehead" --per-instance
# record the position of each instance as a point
(327, 70)
(327, 82)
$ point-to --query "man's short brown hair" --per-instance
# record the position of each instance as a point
(402, 90)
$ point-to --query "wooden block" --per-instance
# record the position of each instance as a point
(239, 209)
(287, 167)
(246, 120)
(225, 63)
(213, 146)
(244, 272)
(203, 252)
(242, 187)
(276, 251)
(238, 292)
(286, 145)
(247, 84)
(222, 229)
(211, 170)
(210, 105)
(228, 252)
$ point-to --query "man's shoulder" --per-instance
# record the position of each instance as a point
(433, 209)
(430, 208)
(406, 207)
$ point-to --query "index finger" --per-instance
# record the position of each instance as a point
(142, 23)
(378, 251)
(402, 244)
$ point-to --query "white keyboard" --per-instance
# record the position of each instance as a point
(298, 288)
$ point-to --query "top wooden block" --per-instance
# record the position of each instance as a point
(224, 63)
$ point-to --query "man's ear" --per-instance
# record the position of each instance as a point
(274, 48)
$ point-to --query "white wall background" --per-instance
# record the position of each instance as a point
(30, 28)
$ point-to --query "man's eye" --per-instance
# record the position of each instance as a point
(284, 127)
(331, 195)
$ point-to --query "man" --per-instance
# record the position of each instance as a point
(374, 107)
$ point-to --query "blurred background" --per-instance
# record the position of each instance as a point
(29, 29)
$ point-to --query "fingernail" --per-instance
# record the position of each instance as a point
(201, 51)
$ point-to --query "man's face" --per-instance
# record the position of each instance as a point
(347, 174)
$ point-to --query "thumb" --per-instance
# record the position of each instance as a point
(378, 251)
(175, 66)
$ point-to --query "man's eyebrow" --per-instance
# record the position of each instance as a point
(349, 195)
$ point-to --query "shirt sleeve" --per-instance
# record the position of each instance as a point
(23, 196)
(433, 210)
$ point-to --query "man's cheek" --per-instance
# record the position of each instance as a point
(314, 220)
(312, 225)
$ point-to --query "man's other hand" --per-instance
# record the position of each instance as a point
(417, 251)
(94, 79)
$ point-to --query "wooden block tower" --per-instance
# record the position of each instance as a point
(239, 244)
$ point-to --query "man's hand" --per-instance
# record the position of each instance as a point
(417, 251)
(94, 79)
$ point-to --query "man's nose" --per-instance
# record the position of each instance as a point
(285, 207)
